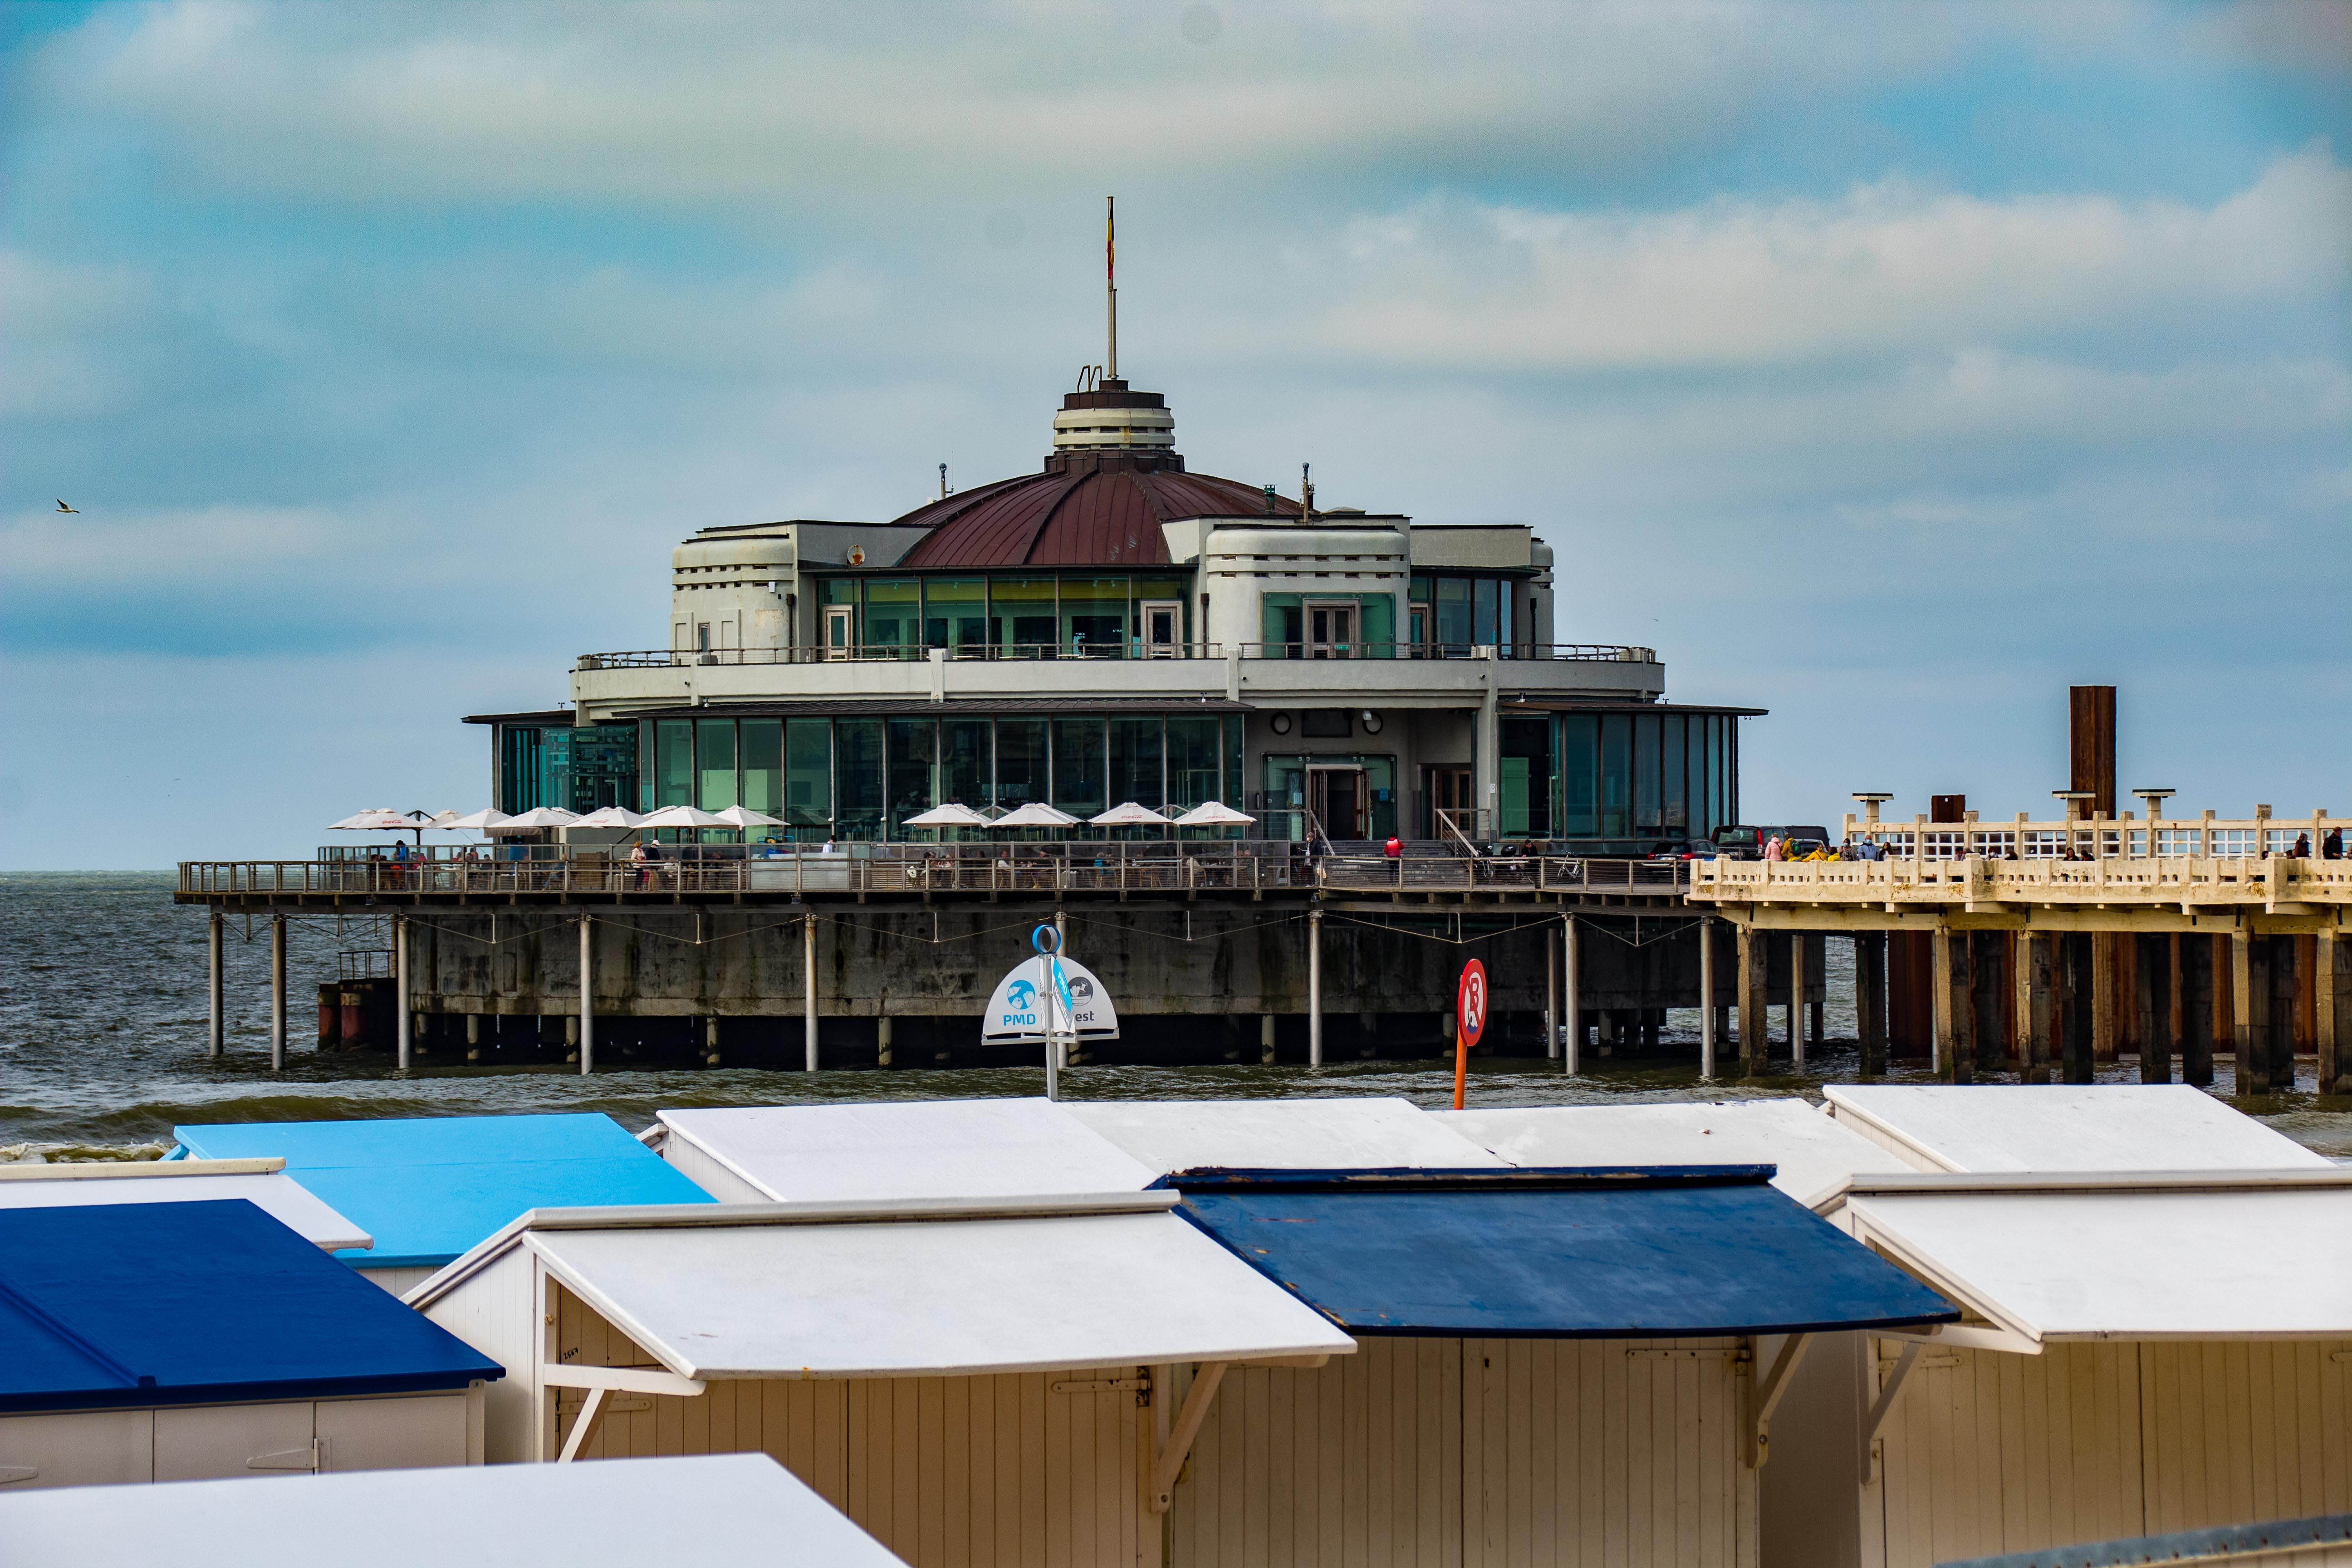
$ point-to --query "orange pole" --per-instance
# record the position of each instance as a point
(1461, 1063)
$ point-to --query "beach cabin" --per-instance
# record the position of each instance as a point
(430, 1187)
(974, 1381)
(261, 1183)
(2077, 1126)
(725, 1509)
(186, 1340)
(1371, 1132)
(2142, 1351)
(1552, 1367)
(1812, 1155)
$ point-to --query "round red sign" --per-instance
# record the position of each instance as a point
(1470, 1001)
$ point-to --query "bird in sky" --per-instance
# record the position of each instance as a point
(62, 507)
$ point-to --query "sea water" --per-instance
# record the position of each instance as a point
(102, 1018)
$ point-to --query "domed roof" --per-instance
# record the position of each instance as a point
(1099, 500)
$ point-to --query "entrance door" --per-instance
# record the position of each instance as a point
(1163, 629)
(1332, 631)
(837, 631)
(1447, 790)
(1340, 802)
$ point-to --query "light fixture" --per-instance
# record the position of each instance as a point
(1371, 722)
(1279, 723)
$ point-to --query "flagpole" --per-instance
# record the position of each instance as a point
(1053, 1036)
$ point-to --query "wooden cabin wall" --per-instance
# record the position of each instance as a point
(947, 1472)
(697, 1165)
(2245, 1431)
(1444, 1453)
(399, 1281)
(496, 1310)
(214, 1442)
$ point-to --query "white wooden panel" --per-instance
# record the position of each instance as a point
(696, 1163)
(399, 1281)
(2241, 1433)
(215, 1441)
(78, 1449)
(912, 1149)
(2096, 1127)
(495, 1309)
(393, 1434)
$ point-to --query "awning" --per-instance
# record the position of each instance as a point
(816, 1291)
(1648, 1254)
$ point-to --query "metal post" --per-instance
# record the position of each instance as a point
(276, 993)
(1315, 987)
(1797, 988)
(1574, 1002)
(1053, 1032)
(587, 996)
(1706, 999)
(1551, 994)
(217, 1030)
(808, 1001)
(399, 988)
(1265, 1038)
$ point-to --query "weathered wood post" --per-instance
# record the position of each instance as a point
(2252, 1078)
(587, 995)
(1573, 1061)
(1797, 1000)
(1956, 1009)
(217, 1027)
(1987, 1000)
(2104, 1010)
(1315, 985)
(2275, 1018)
(1870, 999)
(2041, 1010)
(2152, 984)
(276, 993)
(2200, 977)
(1817, 961)
(1754, 1054)
(1707, 1042)
(2076, 1009)
(2330, 1012)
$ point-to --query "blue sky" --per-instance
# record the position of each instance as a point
(1889, 366)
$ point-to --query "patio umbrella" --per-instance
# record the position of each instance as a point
(683, 816)
(383, 820)
(952, 814)
(1214, 813)
(609, 816)
(1036, 813)
(1126, 814)
(744, 816)
(535, 820)
(482, 821)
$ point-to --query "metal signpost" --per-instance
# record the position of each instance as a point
(1470, 1015)
(1051, 1000)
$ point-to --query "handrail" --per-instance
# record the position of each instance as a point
(1128, 649)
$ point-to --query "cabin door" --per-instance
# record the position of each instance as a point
(1447, 793)
(1332, 631)
(1163, 629)
(837, 634)
(1340, 802)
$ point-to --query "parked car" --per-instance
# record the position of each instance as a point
(1746, 842)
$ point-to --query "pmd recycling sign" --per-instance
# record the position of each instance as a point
(1016, 1011)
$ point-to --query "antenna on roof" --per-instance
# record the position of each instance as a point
(1306, 494)
(1110, 275)
(944, 492)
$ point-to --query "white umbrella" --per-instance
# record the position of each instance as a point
(609, 816)
(1036, 813)
(1214, 813)
(952, 814)
(482, 821)
(1126, 814)
(377, 819)
(534, 820)
(683, 816)
(744, 816)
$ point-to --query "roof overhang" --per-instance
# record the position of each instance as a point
(960, 708)
(565, 716)
(1530, 703)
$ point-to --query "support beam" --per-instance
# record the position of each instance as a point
(1707, 1043)
(1314, 997)
(2330, 1009)
(1875, 1418)
(2041, 1010)
(1765, 1390)
(278, 994)
(883, 1045)
(1574, 1060)
(1170, 1462)
(1755, 1055)
(1265, 1038)
(1797, 1000)
(1956, 1008)
(2077, 1010)
(584, 1424)
(808, 989)
(217, 1027)
(403, 1024)
(1870, 999)
(1551, 993)
(2151, 985)
(2106, 1015)
(2251, 1078)
(587, 995)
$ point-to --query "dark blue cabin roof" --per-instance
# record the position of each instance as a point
(1653, 1253)
(138, 1304)
(428, 1188)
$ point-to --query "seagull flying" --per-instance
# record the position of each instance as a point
(62, 507)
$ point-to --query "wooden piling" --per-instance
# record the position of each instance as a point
(2104, 1009)
(403, 1024)
(2040, 1005)
(2076, 1009)
(1707, 1041)
(1989, 999)
(1754, 1054)
(2332, 1007)
(1956, 1011)
(2176, 1027)
(2202, 973)
(1551, 992)
(808, 992)
(217, 1027)
(276, 993)
(1870, 984)
(2151, 985)
(2277, 1023)
(1315, 986)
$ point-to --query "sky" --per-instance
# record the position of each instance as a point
(1891, 367)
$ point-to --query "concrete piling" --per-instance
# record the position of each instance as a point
(1797, 956)
(1315, 986)
(587, 996)
(808, 995)
(217, 1029)
(401, 1012)
(1572, 998)
(276, 993)
(1754, 1054)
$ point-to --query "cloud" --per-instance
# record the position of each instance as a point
(1887, 269)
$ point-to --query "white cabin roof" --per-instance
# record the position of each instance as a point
(621, 1514)
(909, 1150)
(738, 1290)
(2227, 1262)
(1169, 1135)
(259, 1182)
(2073, 1127)
(1813, 1154)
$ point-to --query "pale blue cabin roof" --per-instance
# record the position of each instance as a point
(430, 1187)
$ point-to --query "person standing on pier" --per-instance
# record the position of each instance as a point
(1773, 849)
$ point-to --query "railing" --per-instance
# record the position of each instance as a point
(1975, 881)
(1255, 865)
(2021, 838)
(896, 653)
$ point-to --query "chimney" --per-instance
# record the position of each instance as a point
(2091, 746)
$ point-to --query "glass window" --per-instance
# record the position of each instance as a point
(1164, 588)
(1526, 792)
(1191, 760)
(762, 741)
(914, 768)
(1645, 771)
(1021, 617)
(1454, 628)
(1677, 793)
(893, 608)
(714, 763)
(1730, 767)
(1094, 616)
(1419, 590)
(1483, 590)
(808, 772)
(1616, 776)
(964, 761)
(1079, 766)
(1712, 765)
(604, 766)
(955, 611)
(1232, 793)
(1580, 769)
(1281, 626)
(1134, 760)
(839, 591)
(1020, 762)
(857, 777)
(674, 763)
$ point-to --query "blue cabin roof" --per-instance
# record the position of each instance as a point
(429, 1187)
(1656, 1252)
(213, 1301)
